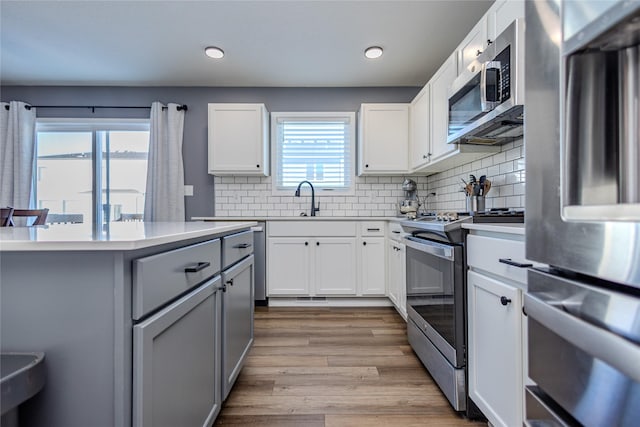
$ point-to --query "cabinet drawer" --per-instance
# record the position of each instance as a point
(159, 278)
(485, 253)
(236, 246)
(312, 228)
(372, 228)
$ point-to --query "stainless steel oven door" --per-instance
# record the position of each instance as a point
(587, 352)
(435, 294)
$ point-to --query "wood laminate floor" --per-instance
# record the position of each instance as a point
(334, 367)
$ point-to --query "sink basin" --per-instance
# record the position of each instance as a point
(21, 376)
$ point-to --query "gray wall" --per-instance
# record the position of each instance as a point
(197, 98)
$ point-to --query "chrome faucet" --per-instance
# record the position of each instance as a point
(314, 209)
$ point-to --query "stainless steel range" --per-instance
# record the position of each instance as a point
(436, 297)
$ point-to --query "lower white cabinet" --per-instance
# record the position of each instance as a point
(495, 349)
(372, 266)
(326, 258)
(301, 266)
(334, 259)
(496, 280)
(289, 266)
(397, 276)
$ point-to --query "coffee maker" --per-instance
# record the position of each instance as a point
(409, 206)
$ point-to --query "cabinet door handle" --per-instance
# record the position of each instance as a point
(424, 156)
(242, 246)
(257, 166)
(366, 166)
(395, 232)
(306, 243)
(229, 282)
(197, 267)
(317, 243)
(478, 52)
(509, 261)
(489, 42)
(373, 229)
(364, 243)
(223, 288)
(505, 300)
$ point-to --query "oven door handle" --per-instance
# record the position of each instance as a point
(600, 343)
(440, 251)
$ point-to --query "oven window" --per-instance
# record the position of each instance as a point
(430, 291)
(465, 106)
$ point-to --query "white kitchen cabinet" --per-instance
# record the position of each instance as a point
(472, 45)
(311, 258)
(397, 276)
(495, 349)
(334, 260)
(440, 84)
(383, 139)
(419, 129)
(501, 14)
(238, 139)
(289, 262)
(372, 260)
(497, 345)
(430, 152)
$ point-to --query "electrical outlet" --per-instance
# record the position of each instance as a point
(188, 190)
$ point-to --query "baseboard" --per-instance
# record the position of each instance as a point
(329, 302)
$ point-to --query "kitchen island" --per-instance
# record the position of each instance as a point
(77, 295)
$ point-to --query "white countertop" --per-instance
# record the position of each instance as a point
(297, 218)
(507, 228)
(119, 236)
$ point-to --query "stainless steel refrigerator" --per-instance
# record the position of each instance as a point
(582, 117)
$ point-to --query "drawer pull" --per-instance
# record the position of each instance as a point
(223, 288)
(509, 261)
(395, 232)
(229, 282)
(505, 300)
(373, 229)
(242, 246)
(197, 267)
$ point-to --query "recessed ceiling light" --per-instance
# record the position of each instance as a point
(373, 52)
(214, 52)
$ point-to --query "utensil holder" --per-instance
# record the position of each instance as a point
(475, 204)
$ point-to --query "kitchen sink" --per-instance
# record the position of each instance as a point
(22, 375)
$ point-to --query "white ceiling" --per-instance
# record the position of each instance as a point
(299, 43)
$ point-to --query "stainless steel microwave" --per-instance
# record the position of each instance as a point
(486, 100)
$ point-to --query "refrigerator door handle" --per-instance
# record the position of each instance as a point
(600, 343)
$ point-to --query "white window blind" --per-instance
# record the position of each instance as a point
(316, 148)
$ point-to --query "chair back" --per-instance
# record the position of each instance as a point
(6, 217)
(39, 214)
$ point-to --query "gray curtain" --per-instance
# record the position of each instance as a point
(17, 154)
(164, 198)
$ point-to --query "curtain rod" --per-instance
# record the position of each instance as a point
(93, 107)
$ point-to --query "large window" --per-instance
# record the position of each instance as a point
(91, 170)
(316, 147)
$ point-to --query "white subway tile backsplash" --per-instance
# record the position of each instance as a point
(380, 195)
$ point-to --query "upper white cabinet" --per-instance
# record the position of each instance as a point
(472, 45)
(429, 126)
(238, 139)
(440, 84)
(383, 139)
(501, 14)
(419, 130)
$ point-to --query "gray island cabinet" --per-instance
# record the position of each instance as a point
(131, 319)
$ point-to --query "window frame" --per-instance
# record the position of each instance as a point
(311, 115)
(93, 125)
